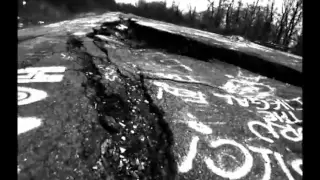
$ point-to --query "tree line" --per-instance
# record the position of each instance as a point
(257, 23)
(265, 25)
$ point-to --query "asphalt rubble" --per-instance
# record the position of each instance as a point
(139, 146)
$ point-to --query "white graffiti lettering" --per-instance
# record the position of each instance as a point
(27, 123)
(283, 117)
(260, 101)
(296, 165)
(29, 95)
(280, 103)
(283, 165)
(269, 128)
(41, 74)
(186, 165)
(267, 163)
(67, 57)
(245, 168)
(187, 95)
(241, 101)
(191, 116)
(200, 127)
(297, 99)
(173, 62)
(110, 74)
(179, 64)
(241, 170)
(260, 104)
(285, 131)
(297, 134)
(248, 88)
(160, 93)
(296, 120)
(227, 97)
(269, 116)
(162, 58)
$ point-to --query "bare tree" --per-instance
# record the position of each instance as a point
(219, 15)
(211, 8)
(249, 17)
(237, 14)
(229, 15)
(296, 17)
(298, 48)
(191, 12)
(267, 27)
(282, 24)
(219, 6)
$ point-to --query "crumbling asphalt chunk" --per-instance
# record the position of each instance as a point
(109, 124)
(139, 146)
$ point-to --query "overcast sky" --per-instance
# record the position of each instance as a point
(202, 5)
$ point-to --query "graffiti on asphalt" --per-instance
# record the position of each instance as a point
(169, 62)
(297, 100)
(259, 104)
(185, 94)
(41, 74)
(222, 168)
(28, 95)
(271, 121)
(250, 93)
(110, 74)
(175, 64)
(272, 118)
(248, 86)
(28, 123)
(296, 165)
(184, 78)
(277, 114)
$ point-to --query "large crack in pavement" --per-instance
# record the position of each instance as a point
(140, 141)
(128, 108)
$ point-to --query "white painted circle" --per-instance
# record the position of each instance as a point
(30, 95)
(22, 95)
(239, 172)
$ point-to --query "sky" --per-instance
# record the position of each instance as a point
(202, 5)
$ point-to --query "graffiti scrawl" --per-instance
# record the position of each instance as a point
(28, 95)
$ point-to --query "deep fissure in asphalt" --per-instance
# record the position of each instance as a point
(140, 142)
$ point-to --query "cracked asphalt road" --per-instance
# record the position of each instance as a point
(96, 104)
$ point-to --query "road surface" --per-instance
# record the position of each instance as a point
(96, 103)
